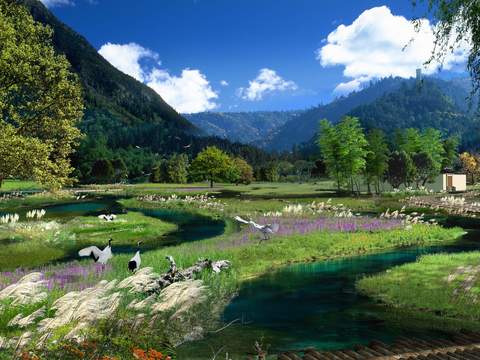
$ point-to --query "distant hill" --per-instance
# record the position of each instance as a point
(304, 127)
(391, 104)
(245, 127)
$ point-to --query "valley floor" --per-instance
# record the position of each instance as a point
(312, 228)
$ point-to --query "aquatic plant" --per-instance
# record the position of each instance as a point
(201, 201)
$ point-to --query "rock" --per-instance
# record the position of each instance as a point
(28, 290)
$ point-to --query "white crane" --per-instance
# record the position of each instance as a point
(136, 260)
(267, 230)
(107, 218)
(100, 256)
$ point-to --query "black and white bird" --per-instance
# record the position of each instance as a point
(100, 256)
(136, 260)
(267, 230)
(107, 217)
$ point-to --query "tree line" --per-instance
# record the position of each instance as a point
(412, 158)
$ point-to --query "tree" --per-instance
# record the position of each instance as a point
(329, 144)
(344, 149)
(376, 160)
(400, 169)
(244, 171)
(270, 172)
(213, 165)
(431, 144)
(158, 173)
(469, 165)
(425, 169)
(456, 23)
(102, 171)
(409, 140)
(120, 171)
(177, 168)
(40, 99)
(450, 151)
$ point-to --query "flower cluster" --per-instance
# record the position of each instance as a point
(421, 190)
(202, 201)
(9, 219)
(408, 219)
(314, 208)
(455, 205)
(36, 214)
(296, 225)
(70, 277)
(151, 354)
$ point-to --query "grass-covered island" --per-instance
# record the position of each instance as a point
(443, 289)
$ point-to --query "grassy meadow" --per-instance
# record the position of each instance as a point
(307, 233)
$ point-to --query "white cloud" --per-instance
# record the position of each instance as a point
(188, 93)
(53, 3)
(224, 83)
(266, 82)
(379, 44)
(126, 58)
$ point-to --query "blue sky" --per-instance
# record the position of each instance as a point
(242, 55)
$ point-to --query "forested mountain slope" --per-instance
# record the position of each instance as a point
(245, 127)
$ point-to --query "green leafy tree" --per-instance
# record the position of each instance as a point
(376, 160)
(102, 171)
(212, 164)
(244, 172)
(177, 168)
(270, 172)
(450, 151)
(40, 99)
(432, 144)
(330, 148)
(159, 174)
(120, 170)
(425, 169)
(344, 148)
(400, 169)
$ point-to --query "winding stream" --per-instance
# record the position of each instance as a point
(315, 305)
(298, 306)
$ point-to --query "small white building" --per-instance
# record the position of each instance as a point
(449, 182)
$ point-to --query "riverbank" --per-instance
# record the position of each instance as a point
(443, 289)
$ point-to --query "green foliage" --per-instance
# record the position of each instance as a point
(177, 168)
(244, 172)
(376, 159)
(400, 169)
(40, 100)
(212, 164)
(344, 148)
(102, 171)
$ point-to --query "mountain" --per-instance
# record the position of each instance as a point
(108, 92)
(391, 104)
(431, 103)
(125, 121)
(305, 126)
(245, 127)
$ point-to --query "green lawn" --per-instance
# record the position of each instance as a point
(444, 285)
(17, 185)
(36, 243)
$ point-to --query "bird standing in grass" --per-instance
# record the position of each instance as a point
(107, 218)
(136, 260)
(100, 256)
(267, 230)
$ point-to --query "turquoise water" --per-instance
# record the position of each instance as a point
(312, 305)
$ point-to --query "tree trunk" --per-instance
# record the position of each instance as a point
(1, 182)
(211, 183)
(368, 187)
